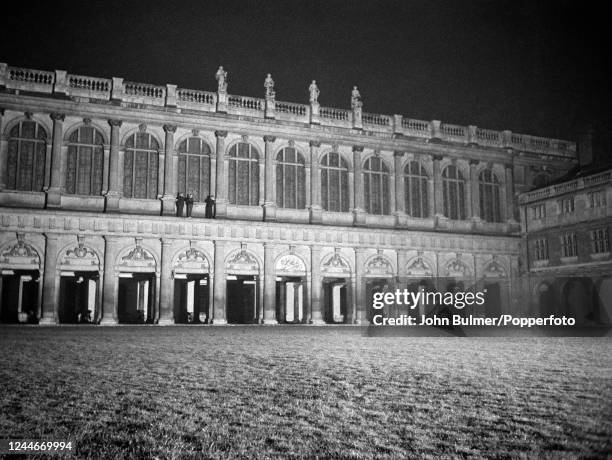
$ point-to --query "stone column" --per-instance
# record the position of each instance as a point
(111, 282)
(221, 176)
(3, 152)
(510, 193)
(219, 287)
(475, 195)
(315, 184)
(400, 203)
(170, 174)
(55, 185)
(50, 288)
(316, 285)
(166, 300)
(114, 190)
(270, 197)
(269, 285)
(359, 210)
(360, 288)
(438, 191)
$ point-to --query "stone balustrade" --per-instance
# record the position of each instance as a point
(31, 80)
(572, 186)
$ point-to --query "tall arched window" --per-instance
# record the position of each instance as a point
(85, 162)
(290, 179)
(415, 190)
(243, 170)
(194, 168)
(488, 186)
(140, 163)
(27, 149)
(334, 183)
(376, 186)
(454, 193)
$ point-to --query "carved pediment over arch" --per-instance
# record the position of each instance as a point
(456, 268)
(290, 265)
(336, 264)
(242, 262)
(137, 259)
(192, 260)
(20, 256)
(80, 257)
(494, 269)
(418, 267)
(379, 266)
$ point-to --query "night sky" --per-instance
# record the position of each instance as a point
(529, 66)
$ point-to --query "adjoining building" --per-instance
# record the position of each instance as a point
(316, 207)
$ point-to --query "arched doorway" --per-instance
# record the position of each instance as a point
(20, 282)
(419, 274)
(494, 280)
(577, 300)
(80, 275)
(379, 277)
(138, 283)
(242, 274)
(547, 300)
(603, 296)
(336, 273)
(290, 288)
(192, 286)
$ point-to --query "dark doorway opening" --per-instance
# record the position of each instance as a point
(77, 299)
(191, 298)
(335, 309)
(241, 299)
(492, 300)
(136, 298)
(19, 296)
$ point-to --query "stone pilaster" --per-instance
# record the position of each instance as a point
(219, 286)
(111, 282)
(166, 296)
(315, 184)
(361, 302)
(474, 203)
(316, 285)
(114, 168)
(438, 191)
(436, 133)
(270, 196)
(510, 193)
(269, 285)
(221, 176)
(359, 210)
(54, 191)
(50, 299)
(170, 174)
(400, 202)
(3, 152)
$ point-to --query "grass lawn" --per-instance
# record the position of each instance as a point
(282, 392)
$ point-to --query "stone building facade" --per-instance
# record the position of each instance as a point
(566, 227)
(316, 207)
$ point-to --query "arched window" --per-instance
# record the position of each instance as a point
(27, 149)
(334, 183)
(194, 168)
(454, 193)
(415, 190)
(488, 186)
(85, 162)
(243, 170)
(290, 179)
(140, 163)
(376, 186)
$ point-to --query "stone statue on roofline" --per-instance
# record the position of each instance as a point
(269, 86)
(356, 102)
(314, 92)
(221, 77)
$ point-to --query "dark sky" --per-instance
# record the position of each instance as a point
(526, 65)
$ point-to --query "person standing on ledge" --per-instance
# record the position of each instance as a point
(189, 204)
(211, 207)
(180, 204)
